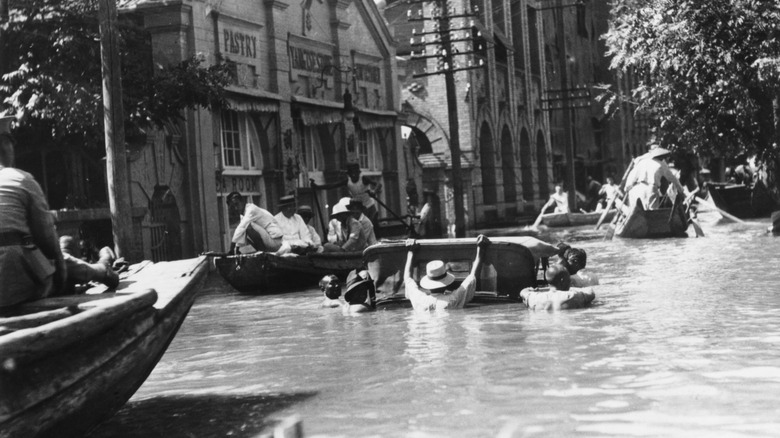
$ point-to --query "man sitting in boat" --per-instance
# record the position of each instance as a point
(366, 227)
(330, 285)
(294, 229)
(349, 236)
(360, 187)
(558, 295)
(648, 180)
(257, 231)
(31, 262)
(306, 213)
(360, 296)
(438, 281)
(607, 192)
(81, 272)
(560, 199)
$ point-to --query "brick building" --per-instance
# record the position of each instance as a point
(287, 123)
(514, 114)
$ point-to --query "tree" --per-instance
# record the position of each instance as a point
(52, 79)
(707, 73)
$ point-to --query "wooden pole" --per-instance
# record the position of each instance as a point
(113, 119)
(452, 115)
(568, 113)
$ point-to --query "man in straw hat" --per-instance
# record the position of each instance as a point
(295, 231)
(31, 263)
(438, 281)
(349, 236)
(651, 179)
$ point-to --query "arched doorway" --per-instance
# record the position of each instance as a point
(488, 165)
(541, 162)
(508, 166)
(526, 166)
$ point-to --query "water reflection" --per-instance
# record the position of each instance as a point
(683, 340)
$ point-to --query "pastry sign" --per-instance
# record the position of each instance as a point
(239, 43)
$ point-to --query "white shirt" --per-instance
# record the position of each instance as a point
(294, 229)
(455, 300)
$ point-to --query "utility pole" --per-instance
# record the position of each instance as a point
(113, 119)
(447, 65)
(566, 99)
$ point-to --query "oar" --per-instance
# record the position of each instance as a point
(215, 254)
(412, 231)
(610, 204)
(538, 219)
(725, 214)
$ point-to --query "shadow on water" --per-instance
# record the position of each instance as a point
(197, 415)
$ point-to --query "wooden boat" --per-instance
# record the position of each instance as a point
(264, 272)
(508, 266)
(70, 362)
(742, 201)
(662, 222)
(574, 219)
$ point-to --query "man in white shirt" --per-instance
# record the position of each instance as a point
(648, 179)
(366, 227)
(560, 199)
(257, 231)
(294, 230)
(438, 281)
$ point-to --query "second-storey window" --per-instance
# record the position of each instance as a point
(240, 144)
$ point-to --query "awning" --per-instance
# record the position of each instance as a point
(318, 112)
(250, 105)
(370, 119)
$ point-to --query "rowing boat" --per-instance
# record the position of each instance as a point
(508, 266)
(265, 272)
(662, 222)
(70, 362)
(575, 219)
(741, 201)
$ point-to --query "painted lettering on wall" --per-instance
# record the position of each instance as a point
(243, 183)
(303, 59)
(239, 43)
(368, 73)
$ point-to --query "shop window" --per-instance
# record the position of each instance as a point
(368, 153)
(240, 143)
(311, 148)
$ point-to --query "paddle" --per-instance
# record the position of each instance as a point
(538, 219)
(725, 214)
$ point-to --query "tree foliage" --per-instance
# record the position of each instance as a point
(707, 72)
(53, 78)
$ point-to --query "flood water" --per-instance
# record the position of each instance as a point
(682, 340)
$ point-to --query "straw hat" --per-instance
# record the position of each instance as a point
(304, 209)
(658, 152)
(286, 200)
(436, 275)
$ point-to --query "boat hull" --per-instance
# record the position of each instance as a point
(659, 223)
(508, 266)
(265, 273)
(63, 378)
(742, 202)
(575, 219)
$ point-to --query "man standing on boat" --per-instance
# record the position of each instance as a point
(438, 281)
(257, 231)
(31, 263)
(360, 187)
(651, 179)
(295, 231)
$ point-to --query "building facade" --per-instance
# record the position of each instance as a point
(287, 122)
(517, 115)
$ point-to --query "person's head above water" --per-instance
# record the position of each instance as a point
(437, 279)
(331, 286)
(558, 277)
(360, 289)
